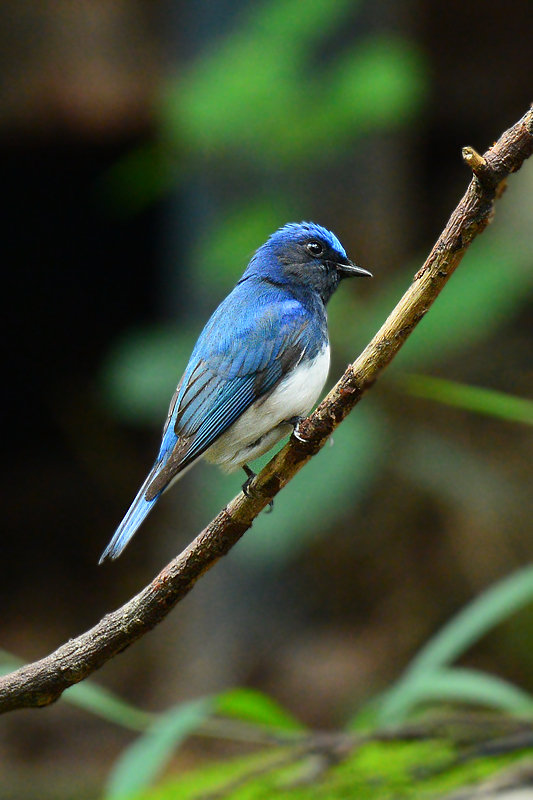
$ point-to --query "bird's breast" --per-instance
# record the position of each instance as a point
(298, 391)
(265, 422)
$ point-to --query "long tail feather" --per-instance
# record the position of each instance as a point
(136, 514)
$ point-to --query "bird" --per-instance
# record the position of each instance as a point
(257, 368)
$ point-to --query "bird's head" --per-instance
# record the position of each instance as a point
(306, 254)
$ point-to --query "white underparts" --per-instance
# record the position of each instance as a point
(266, 421)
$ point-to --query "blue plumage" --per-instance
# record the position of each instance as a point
(260, 362)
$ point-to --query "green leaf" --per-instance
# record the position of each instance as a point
(103, 703)
(254, 706)
(144, 760)
(231, 100)
(230, 104)
(484, 613)
(456, 685)
(493, 606)
(472, 398)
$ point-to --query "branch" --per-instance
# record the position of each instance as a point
(42, 682)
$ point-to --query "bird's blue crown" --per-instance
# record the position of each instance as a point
(296, 231)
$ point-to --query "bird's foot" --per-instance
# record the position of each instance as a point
(246, 485)
(295, 421)
(250, 476)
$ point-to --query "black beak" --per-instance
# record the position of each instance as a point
(349, 270)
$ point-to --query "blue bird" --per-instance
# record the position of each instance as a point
(258, 367)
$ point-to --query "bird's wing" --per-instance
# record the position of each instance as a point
(243, 352)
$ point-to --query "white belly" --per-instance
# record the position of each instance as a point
(265, 422)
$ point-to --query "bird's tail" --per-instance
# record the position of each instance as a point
(136, 514)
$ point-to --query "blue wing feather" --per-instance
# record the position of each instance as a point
(237, 359)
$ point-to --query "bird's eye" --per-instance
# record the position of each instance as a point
(315, 248)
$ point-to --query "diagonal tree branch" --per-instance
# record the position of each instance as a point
(42, 682)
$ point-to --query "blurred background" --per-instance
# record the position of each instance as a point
(147, 149)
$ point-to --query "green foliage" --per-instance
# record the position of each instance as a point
(9, 662)
(429, 676)
(138, 377)
(250, 705)
(108, 705)
(429, 680)
(253, 99)
(375, 771)
(237, 106)
(477, 303)
(492, 607)
(143, 760)
(234, 236)
(458, 685)
(472, 398)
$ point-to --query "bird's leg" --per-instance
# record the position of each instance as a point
(250, 476)
(246, 485)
